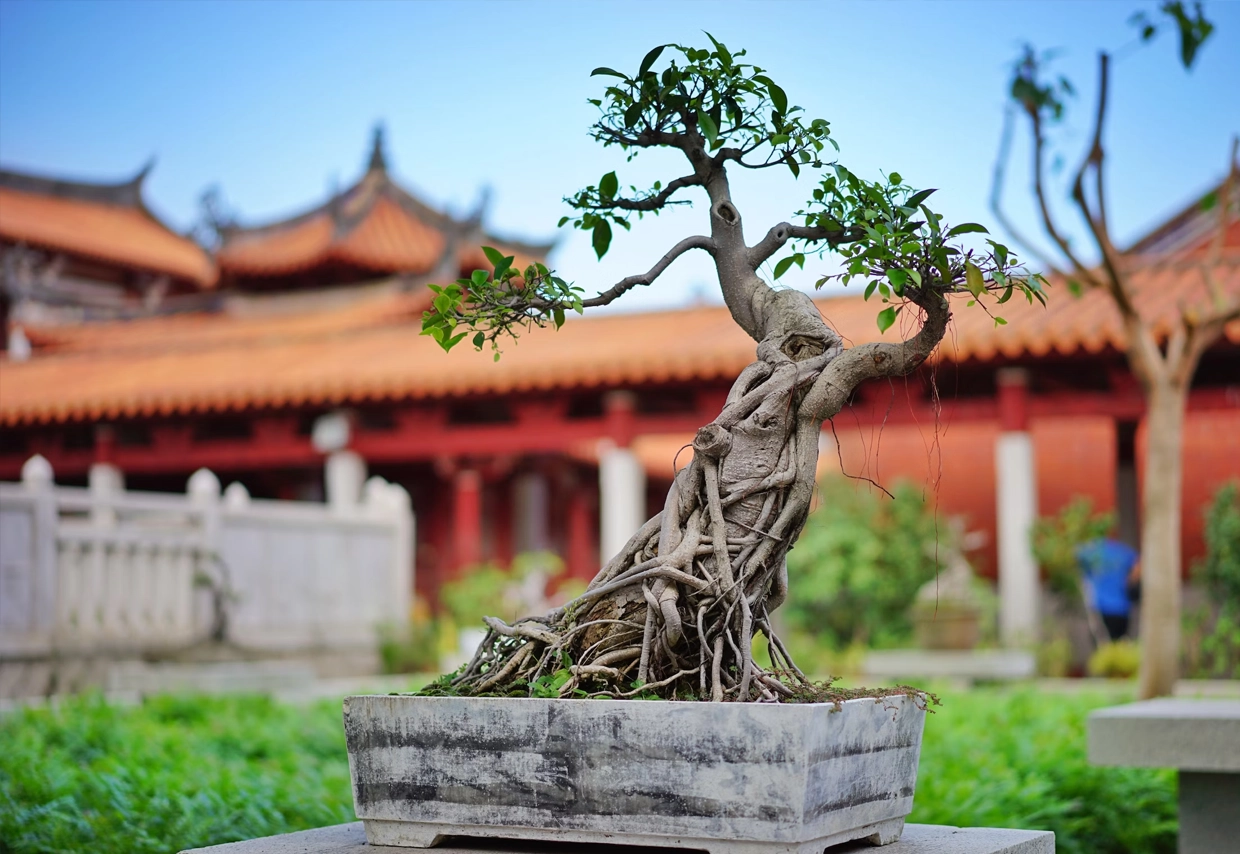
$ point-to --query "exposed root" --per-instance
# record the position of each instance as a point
(674, 615)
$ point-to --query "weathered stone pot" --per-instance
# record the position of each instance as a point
(730, 778)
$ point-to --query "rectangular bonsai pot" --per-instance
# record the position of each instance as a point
(728, 778)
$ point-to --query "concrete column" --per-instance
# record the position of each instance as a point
(622, 497)
(467, 517)
(531, 500)
(344, 474)
(1016, 508)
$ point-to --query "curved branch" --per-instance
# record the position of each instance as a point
(996, 195)
(650, 203)
(781, 233)
(627, 284)
(869, 361)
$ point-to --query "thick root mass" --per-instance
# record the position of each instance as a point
(675, 613)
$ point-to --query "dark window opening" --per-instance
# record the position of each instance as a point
(223, 428)
(133, 435)
(584, 406)
(479, 412)
(1126, 504)
(14, 442)
(666, 402)
(376, 421)
(78, 437)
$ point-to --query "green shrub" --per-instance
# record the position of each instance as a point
(173, 773)
(995, 758)
(1212, 634)
(1056, 539)
(859, 564)
(1115, 660)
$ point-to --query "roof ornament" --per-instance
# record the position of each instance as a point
(480, 208)
(378, 160)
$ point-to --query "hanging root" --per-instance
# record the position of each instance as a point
(675, 613)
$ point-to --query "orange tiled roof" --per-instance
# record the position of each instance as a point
(372, 350)
(120, 234)
(375, 225)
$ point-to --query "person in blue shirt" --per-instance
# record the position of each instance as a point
(1111, 570)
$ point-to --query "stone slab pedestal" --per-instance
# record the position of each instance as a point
(917, 839)
(1199, 738)
(726, 778)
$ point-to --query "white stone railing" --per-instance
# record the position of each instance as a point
(102, 571)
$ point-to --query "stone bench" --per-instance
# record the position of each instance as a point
(962, 665)
(917, 839)
(1199, 738)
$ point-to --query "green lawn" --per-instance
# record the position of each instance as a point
(178, 772)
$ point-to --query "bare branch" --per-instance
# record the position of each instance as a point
(627, 284)
(1096, 221)
(653, 202)
(781, 233)
(996, 195)
(1215, 252)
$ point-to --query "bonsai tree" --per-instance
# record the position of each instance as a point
(676, 612)
(1162, 352)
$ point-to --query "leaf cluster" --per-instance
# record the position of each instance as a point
(903, 250)
(704, 99)
(497, 302)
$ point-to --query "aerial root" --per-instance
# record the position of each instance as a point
(697, 582)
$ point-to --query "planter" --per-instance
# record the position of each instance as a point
(743, 778)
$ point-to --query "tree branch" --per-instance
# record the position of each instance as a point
(852, 367)
(1097, 221)
(627, 284)
(1215, 252)
(781, 233)
(650, 203)
(997, 182)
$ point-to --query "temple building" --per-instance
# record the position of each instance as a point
(306, 370)
(72, 251)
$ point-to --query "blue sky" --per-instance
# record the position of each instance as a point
(274, 102)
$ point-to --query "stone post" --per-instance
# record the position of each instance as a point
(1016, 508)
(622, 497)
(106, 483)
(344, 474)
(37, 479)
(392, 501)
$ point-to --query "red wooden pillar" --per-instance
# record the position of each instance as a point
(466, 517)
(581, 552)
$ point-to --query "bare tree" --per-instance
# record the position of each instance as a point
(1165, 366)
(675, 613)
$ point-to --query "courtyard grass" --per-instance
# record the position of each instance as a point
(182, 771)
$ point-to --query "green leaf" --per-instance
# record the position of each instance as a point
(725, 58)
(973, 279)
(449, 343)
(649, 60)
(895, 178)
(479, 339)
(610, 72)
(709, 129)
(869, 289)
(886, 318)
(898, 277)
(478, 278)
(602, 237)
(967, 228)
(493, 255)
(557, 314)
(782, 266)
(917, 198)
(608, 185)
(999, 321)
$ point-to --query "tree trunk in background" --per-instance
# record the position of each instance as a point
(1160, 539)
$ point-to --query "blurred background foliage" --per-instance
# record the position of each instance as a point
(1212, 630)
(856, 570)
